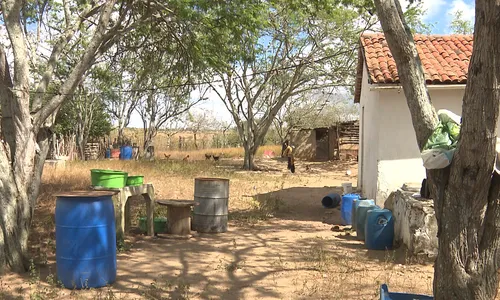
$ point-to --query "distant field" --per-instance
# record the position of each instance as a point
(222, 152)
(207, 144)
(164, 142)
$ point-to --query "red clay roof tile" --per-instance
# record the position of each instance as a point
(445, 59)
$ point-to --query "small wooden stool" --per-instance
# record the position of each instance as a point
(178, 216)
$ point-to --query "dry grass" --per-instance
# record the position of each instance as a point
(171, 179)
(306, 261)
(222, 152)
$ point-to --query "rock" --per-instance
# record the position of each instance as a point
(389, 203)
(415, 223)
(411, 187)
(335, 228)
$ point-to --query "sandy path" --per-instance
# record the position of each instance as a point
(292, 254)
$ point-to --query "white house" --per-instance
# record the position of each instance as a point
(388, 151)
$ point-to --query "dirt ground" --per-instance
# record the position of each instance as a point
(280, 245)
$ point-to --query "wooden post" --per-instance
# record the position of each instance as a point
(128, 221)
(149, 197)
(179, 220)
(120, 218)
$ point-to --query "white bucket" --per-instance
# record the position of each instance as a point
(347, 187)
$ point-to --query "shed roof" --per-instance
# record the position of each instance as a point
(445, 59)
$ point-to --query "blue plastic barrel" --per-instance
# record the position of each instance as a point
(355, 205)
(85, 239)
(126, 153)
(331, 200)
(107, 154)
(361, 211)
(386, 295)
(346, 207)
(379, 229)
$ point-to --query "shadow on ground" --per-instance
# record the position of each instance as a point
(300, 204)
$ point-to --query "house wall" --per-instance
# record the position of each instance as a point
(398, 157)
(305, 143)
(368, 139)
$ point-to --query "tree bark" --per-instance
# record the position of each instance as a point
(466, 193)
(195, 141)
(27, 135)
(249, 160)
(121, 128)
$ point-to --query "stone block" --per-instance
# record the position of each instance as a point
(415, 224)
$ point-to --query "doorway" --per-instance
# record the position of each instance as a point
(322, 145)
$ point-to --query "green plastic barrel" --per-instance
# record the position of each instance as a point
(108, 178)
(160, 224)
(135, 180)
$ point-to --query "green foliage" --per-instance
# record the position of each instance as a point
(233, 138)
(66, 123)
(413, 17)
(459, 25)
(303, 46)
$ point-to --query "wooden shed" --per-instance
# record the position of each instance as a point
(320, 144)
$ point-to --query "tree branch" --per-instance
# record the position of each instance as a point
(82, 66)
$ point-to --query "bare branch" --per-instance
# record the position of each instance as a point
(82, 66)
(58, 48)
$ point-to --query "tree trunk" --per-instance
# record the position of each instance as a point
(149, 133)
(121, 128)
(468, 211)
(249, 160)
(79, 135)
(465, 194)
(17, 198)
(21, 163)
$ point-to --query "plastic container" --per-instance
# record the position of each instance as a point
(115, 153)
(107, 154)
(355, 205)
(361, 212)
(108, 178)
(126, 153)
(331, 200)
(160, 224)
(347, 187)
(385, 295)
(379, 229)
(346, 207)
(85, 239)
(135, 180)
